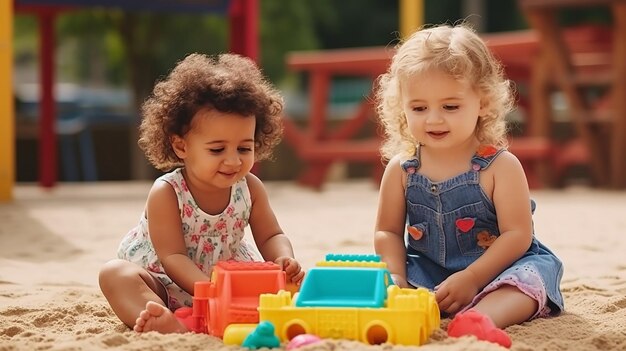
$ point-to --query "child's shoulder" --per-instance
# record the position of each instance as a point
(174, 178)
(165, 192)
(394, 164)
(398, 167)
(251, 179)
(171, 182)
(506, 163)
(401, 160)
(505, 157)
(254, 184)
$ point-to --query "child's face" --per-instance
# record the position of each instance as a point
(219, 149)
(441, 112)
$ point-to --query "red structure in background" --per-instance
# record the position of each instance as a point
(242, 16)
(318, 143)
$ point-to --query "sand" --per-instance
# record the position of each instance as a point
(52, 244)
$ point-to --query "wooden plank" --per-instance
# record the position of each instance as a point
(531, 148)
(514, 48)
(342, 150)
(355, 61)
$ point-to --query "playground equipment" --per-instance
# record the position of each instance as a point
(352, 297)
(231, 296)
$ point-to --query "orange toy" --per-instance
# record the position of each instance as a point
(232, 296)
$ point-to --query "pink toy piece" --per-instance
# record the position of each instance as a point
(302, 340)
(472, 322)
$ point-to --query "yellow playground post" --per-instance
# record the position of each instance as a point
(411, 16)
(7, 130)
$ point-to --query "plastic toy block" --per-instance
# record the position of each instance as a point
(231, 265)
(232, 295)
(353, 257)
(351, 264)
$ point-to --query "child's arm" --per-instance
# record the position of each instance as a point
(390, 222)
(165, 227)
(511, 198)
(272, 243)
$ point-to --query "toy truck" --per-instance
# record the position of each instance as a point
(352, 297)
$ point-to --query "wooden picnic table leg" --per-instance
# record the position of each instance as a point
(556, 52)
(618, 133)
(319, 91)
(539, 118)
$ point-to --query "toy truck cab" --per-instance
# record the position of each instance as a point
(231, 296)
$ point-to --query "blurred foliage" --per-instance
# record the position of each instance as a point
(135, 48)
(355, 23)
(284, 26)
(111, 47)
(25, 41)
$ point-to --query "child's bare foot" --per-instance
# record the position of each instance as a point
(158, 318)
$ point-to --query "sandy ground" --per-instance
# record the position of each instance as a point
(53, 243)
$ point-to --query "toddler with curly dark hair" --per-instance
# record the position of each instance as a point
(205, 124)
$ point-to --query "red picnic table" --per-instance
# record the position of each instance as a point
(319, 143)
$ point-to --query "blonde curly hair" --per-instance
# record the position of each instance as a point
(227, 83)
(459, 52)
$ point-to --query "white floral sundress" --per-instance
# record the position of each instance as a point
(209, 238)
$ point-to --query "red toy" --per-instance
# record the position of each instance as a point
(232, 296)
(475, 323)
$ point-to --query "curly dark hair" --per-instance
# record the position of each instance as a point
(228, 83)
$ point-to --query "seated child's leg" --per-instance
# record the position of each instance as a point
(128, 288)
(507, 306)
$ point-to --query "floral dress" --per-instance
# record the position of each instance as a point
(208, 238)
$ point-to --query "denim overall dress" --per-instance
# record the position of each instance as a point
(451, 223)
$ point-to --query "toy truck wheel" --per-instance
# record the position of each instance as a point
(294, 328)
(377, 332)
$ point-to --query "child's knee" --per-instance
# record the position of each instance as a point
(113, 271)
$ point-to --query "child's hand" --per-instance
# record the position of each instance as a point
(292, 268)
(456, 291)
(399, 281)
